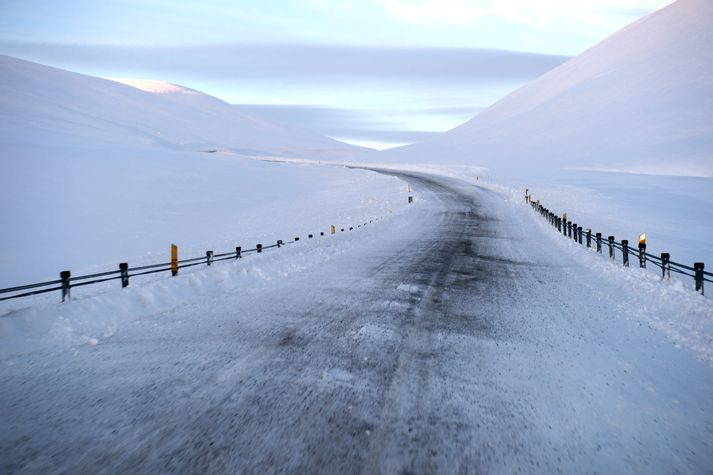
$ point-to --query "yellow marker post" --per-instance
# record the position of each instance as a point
(564, 216)
(333, 229)
(642, 250)
(174, 259)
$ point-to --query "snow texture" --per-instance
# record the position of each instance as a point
(460, 335)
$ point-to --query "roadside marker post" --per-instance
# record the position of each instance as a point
(124, 269)
(65, 275)
(698, 267)
(642, 250)
(665, 266)
(174, 260)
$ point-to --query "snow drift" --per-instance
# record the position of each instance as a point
(639, 101)
(53, 106)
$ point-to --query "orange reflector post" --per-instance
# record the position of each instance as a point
(174, 259)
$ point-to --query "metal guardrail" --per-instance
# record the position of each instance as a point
(66, 281)
(575, 232)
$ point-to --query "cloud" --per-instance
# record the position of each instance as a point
(348, 124)
(434, 11)
(534, 13)
(365, 94)
(264, 60)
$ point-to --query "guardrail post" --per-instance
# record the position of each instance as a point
(611, 248)
(642, 255)
(559, 224)
(569, 228)
(238, 252)
(65, 275)
(209, 257)
(579, 230)
(589, 237)
(124, 268)
(297, 239)
(698, 266)
(258, 248)
(174, 260)
(665, 266)
(279, 243)
(309, 236)
(625, 252)
(321, 233)
(599, 242)
(410, 199)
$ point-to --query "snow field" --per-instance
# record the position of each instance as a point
(85, 208)
(673, 307)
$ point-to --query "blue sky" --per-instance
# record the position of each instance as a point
(374, 72)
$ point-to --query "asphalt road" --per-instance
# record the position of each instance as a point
(458, 344)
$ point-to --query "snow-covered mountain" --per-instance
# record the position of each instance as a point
(49, 105)
(641, 100)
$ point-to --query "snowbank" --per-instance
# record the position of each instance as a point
(96, 313)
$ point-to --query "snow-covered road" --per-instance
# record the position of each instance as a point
(455, 339)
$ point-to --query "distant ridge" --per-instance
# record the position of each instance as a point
(49, 105)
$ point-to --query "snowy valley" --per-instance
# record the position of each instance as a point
(441, 326)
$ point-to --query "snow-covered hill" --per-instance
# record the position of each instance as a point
(94, 171)
(53, 106)
(641, 101)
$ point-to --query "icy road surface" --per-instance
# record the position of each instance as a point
(458, 340)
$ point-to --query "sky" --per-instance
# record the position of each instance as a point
(378, 73)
